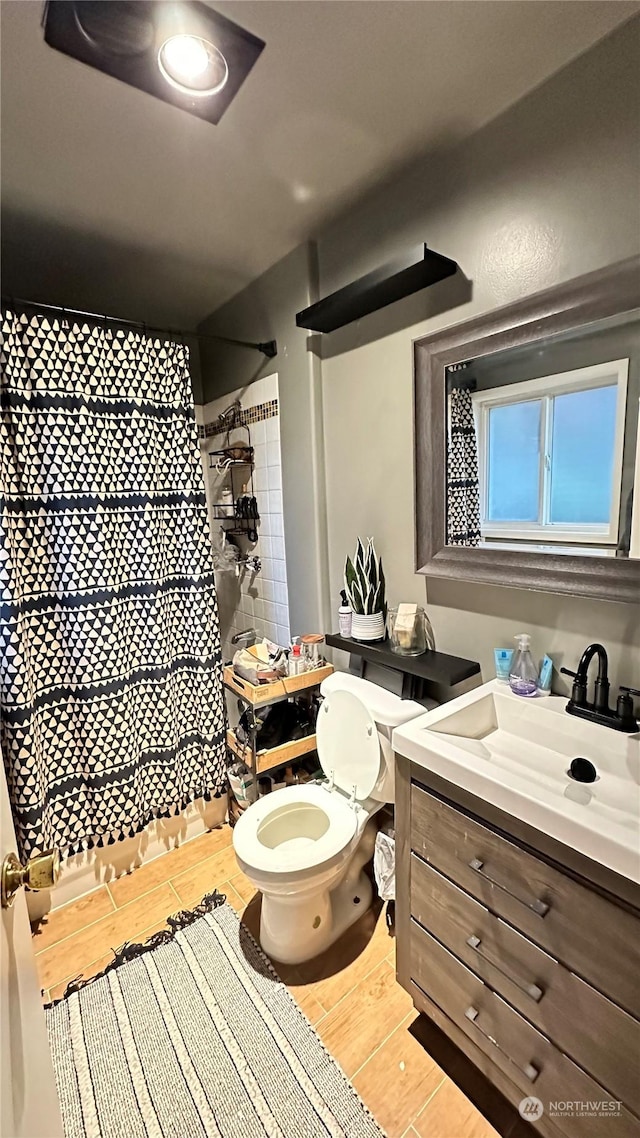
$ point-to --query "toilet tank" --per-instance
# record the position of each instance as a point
(388, 711)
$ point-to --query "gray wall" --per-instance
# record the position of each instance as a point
(544, 193)
(265, 310)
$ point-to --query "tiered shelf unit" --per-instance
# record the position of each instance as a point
(261, 695)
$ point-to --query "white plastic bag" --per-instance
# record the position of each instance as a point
(384, 866)
(240, 781)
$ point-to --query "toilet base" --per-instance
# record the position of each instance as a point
(297, 927)
(293, 930)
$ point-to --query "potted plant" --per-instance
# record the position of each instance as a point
(364, 583)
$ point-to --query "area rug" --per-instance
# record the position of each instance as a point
(192, 1035)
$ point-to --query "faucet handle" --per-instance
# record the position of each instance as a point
(624, 708)
(579, 687)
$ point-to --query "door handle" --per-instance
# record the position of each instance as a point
(540, 908)
(529, 1071)
(39, 872)
(532, 990)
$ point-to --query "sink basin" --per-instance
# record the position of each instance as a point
(516, 753)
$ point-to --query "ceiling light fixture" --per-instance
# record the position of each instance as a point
(193, 65)
(180, 51)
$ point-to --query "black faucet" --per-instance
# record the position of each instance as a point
(623, 718)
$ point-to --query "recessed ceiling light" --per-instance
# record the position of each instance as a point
(181, 51)
(193, 65)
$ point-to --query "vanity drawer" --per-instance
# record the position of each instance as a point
(594, 1031)
(591, 935)
(528, 1059)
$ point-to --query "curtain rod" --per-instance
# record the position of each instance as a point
(268, 349)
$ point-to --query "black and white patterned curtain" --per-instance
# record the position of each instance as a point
(463, 495)
(111, 698)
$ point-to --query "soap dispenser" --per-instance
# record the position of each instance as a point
(523, 674)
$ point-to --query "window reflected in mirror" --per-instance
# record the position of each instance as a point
(543, 446)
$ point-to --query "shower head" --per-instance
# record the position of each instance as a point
(230, 411)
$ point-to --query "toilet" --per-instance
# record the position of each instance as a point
(304, 847)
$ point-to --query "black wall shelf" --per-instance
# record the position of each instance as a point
(435, 667)
(393, 281)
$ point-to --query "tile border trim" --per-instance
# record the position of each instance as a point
(243, 418)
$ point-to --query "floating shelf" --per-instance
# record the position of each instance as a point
(274, 756)
(437, 667)
(393, 281)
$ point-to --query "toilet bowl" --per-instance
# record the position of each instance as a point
(304, 847)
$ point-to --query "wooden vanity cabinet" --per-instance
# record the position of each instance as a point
(525, 954)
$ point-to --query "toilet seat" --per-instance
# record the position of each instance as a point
(348, 744)
(300, 828)
(294, 830)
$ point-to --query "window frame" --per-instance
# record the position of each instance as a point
(544, 389)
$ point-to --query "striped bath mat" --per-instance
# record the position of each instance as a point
(192, 1035)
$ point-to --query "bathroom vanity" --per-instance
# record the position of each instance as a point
(520, 947)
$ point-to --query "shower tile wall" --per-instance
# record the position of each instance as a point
(251, 600)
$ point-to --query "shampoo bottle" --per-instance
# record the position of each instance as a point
(523, 674)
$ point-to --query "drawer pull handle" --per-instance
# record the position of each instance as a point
(540, 908)
(529, 1071)
(531, 990)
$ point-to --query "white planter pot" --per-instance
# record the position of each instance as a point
(368, 627)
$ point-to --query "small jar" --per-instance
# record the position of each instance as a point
(409, 635)
(311, 650)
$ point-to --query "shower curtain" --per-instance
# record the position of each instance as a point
(463, 494)
(112, 707)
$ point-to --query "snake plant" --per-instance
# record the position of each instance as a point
(364, 581)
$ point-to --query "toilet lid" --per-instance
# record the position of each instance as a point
(348, 743)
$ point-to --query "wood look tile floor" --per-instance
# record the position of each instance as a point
(350, 994)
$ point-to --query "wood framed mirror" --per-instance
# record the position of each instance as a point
(527, 442)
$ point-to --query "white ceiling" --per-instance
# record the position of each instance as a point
(116, 201)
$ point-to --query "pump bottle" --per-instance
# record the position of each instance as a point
(344, 615)
(523, 674)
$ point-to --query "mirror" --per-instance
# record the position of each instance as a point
(542, 444)
(528, 442)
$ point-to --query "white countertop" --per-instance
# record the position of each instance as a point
(515, 753)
